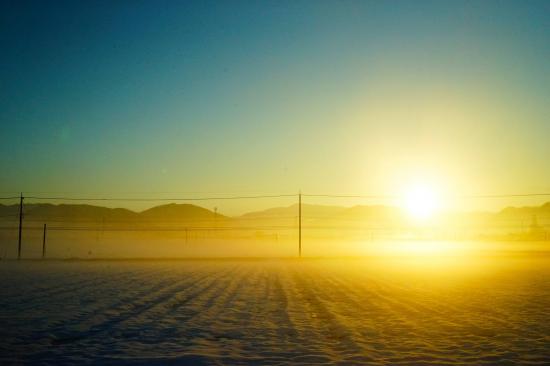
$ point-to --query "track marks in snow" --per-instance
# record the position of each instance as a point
(270, 312)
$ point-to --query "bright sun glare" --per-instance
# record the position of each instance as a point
(421, 201)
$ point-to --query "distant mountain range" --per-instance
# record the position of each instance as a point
(191, 213)
(70, 213)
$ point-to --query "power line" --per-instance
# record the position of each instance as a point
(506, 195)
(158, 199)
(35, 217)
(152, 229)
(347, 196)
(462, 196)
(153, 199)
(251, 228)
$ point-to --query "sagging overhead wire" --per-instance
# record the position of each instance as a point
(511, 195)
(159, 199)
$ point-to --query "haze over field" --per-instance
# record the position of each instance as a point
(187, 230)
(190, 213)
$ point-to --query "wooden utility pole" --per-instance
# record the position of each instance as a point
(44, 243)
(20, 226)
(300, 224)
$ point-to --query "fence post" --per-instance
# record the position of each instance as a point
(20, 226)
(44, 243)
(300, 224)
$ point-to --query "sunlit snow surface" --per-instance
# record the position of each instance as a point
(394, 311)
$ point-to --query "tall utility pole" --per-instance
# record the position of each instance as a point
(300, 224)
(44, 243)
(20, 226)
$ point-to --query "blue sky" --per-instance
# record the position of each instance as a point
(130, 97)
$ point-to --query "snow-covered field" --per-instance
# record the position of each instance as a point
(436, 311)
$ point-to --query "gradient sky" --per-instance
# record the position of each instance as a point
(130, 98)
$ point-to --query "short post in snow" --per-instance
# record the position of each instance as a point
(21, 198)
(44, 243)
(300, 224)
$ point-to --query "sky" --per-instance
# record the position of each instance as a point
(182, 98)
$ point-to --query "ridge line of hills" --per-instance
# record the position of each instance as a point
(185, 212)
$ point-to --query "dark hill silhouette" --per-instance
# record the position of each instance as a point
(322, 212)
(69, 212)
(79, 213)
(188, 212)
(174, 212)
(542, 211)
(376, 212)
(308, 210)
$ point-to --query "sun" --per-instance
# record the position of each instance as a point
(421, 201)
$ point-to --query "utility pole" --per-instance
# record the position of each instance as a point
(20, 226)
(215, 234)
(44, 243)
(300, 224)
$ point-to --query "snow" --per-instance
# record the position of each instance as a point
(363, 311)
